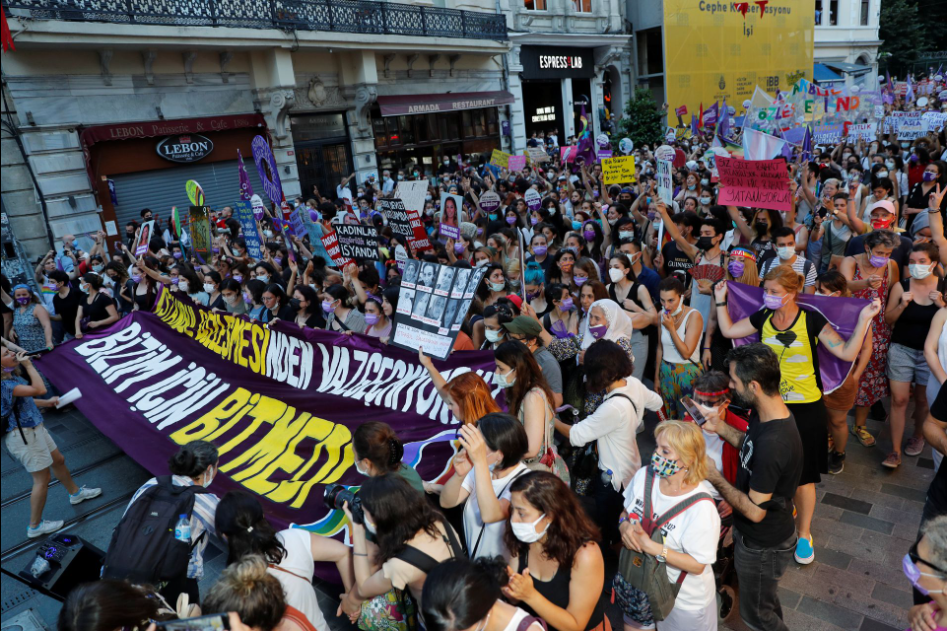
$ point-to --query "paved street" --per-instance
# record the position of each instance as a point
(866, 519)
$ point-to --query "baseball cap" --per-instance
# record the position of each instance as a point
(516, 300)
(885, 204)
(523, 325)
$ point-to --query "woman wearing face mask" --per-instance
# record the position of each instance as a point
(692, 188)
(340, 316)
(933, 176)
(635, 300)
(563, 268)
(194, 464)
(276, 304)
(535, 282)
(266, 273)
(758, 233)
(96, 310)
(911, 308)
(677, 472)
(556, 570)
(494, 286)
(485, 255)
(925, 566)
(870, 276)
(290, 554)
(678, 347)
(467, 395)
(594, 237)
(562, 319)
(378, 451)
(253, 297)
(403, 523)
(585, 270)
(793, 334)
(741, 267)
(840, 401)
(232, 294)
(491, 460)
(308, 308)
(211, 287)
(881, 190)
(539, 253)
(529, 397)
(145, 277)
(32, 329)
(122, 287)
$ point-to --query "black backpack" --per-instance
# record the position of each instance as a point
(143, 548)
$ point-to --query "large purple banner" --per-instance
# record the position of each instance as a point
(280, 402)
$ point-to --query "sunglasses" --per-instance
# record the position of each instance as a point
(915, 559)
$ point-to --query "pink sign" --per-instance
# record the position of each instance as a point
(681, 111)
(567, 154)
(516, 163)
(757, 183)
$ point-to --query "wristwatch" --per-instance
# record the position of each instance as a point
(663, 557)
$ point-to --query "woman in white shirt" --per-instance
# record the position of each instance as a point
(290, 554)
(678, 468)
(613, 427)
(462, 595)
(491, 460)
(678, 347)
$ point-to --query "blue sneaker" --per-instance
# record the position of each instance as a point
(804, 553)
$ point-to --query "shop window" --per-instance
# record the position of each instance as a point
(492, 125)
(583, 6)
(467, 119)
(378, 127)
(394, 132)
(453, 127)
(535, 5)
(406, 124)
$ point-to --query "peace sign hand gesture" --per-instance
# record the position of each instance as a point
(936, 197)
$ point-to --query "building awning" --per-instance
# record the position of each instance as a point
(823, 74)
(852, 69)
(433, 103)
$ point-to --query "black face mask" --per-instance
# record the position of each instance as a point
(761, 227)
(294, 303)
(705, 243)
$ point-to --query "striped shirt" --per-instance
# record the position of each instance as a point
(803, 266)
(202, 520)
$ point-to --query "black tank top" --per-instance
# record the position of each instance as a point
(915, 321)
(632, 294)
(556, 591)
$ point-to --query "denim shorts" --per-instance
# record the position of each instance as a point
(907, 365)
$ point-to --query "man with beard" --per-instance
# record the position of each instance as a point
(770, 466)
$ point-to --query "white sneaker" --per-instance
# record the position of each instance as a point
(45, 527)
(84, 494)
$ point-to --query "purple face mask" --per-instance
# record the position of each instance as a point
(735, 268)
(589, 235)
(567, 304)
(772, 302)
(929, 176)
(458, 248)
(598, 332)
(9, 369)
(912, 571)
(278, 260)
(539, 250)
(177, 255)
(136, 278)
(247, 298)
(877, 261)
(371, 319)
(175, 280)
(580, 280)
(238, 278)
(23, 300)
(327, 306)
(510, 219)
(533, 220)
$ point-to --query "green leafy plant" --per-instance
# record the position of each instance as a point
(643, 120)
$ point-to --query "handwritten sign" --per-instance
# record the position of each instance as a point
(620, 170)
(665, 181)
(412, 194)
(568, 153)
(516, 163)
(912, 131)
(358, 241)
(827, 134)
(537, 155)
(935, 121)
(500, 158)
(243, 212)
(864, 132)
(758, 183)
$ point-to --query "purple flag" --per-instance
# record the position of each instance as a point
(842, 313)
(909, 96)
(723, 127)
(694, 124)
(246, 189)
(710, 114)
(585, 148)
(806, 154)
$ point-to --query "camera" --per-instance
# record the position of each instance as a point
(336, 495)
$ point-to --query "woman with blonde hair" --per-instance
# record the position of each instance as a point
(677, 473)
(467, 395)
(793, 334)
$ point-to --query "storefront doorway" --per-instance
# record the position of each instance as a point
(323, 158)
(542, 106)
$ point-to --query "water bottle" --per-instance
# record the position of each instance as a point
(182, 531)
(607, 477)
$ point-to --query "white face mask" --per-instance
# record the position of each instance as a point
(920, 272)
(615, 274)
(182, 285)
(360, 470)
(482, 262)
(505, 380)
(370, 527)
(882, 174)
(527, 532)
(493, 336)
(785, 252)
(207, 479)
(263, 278)
(209, 288)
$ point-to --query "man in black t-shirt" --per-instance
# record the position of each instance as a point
(764, 533)
(66, 302)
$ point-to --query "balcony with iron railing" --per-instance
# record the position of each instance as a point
(342, 16)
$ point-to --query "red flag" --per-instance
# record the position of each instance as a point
(700, 119)
(6, 37)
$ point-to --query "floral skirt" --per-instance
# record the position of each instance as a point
(676, 381)
(873, 385)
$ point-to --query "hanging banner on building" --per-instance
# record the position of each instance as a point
(266, 167)
(757, 183)
(358, 241)
(620, 170)
(723, 50)
(432, 304)
(199, 230)
(243, 212)
(281, 403)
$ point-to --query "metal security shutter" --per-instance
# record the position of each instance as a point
(161, 189)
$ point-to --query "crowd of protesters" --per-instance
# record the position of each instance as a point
(598, 307)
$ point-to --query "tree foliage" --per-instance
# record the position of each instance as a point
(905, 33)
(643, 120)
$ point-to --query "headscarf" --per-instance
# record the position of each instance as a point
(619, 324)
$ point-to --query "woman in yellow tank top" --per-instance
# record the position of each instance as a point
(793, 334)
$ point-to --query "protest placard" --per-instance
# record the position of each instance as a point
(267, 169)
(865, 131)
(357, 241)
(450, 215)
(296, 222)
(145, 233)
(199, 229)
(533, 199)
(894, 120)
(499, 158)
(194, 192)
(665, 152)
(934, 121)
(489, 202)
(604, 153)
(331, 242)
(826, 135)
(516, 163)
(620, 170)
(243, 212)
(412, 194)
(665, 181)
(912, 131)
(405, 224)
(537, 155)
(432, 304)
(759, 183)
(568, 153)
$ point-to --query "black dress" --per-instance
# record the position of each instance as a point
(556, 591)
